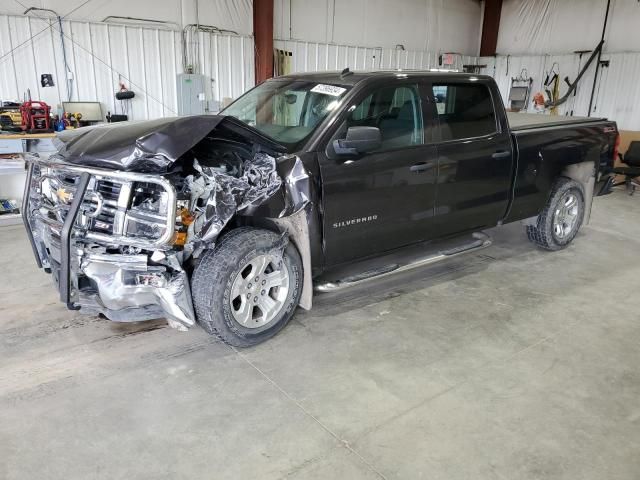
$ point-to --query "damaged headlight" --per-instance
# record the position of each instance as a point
(146, 216)
(149, 198)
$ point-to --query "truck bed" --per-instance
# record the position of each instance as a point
(526, 121)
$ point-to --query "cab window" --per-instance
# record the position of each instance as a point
(464, 111)
(396, 111)
(287, 110)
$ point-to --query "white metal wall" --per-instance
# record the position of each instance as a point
(536, 33)
(233, 15)
(617, 94)
(315, 56)
(534, 27)
(99, 55)
(504, 68)
(419, 25)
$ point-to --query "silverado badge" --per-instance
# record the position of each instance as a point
(354, 221)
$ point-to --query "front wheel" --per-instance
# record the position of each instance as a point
(247, 289)
(559, 222)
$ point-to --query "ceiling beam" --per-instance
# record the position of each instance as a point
(263, 37)
(490, 27)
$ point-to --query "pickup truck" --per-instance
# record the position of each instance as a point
(307, 182)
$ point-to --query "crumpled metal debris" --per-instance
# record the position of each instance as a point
(114, 277)
(224, 195)
(297, 185)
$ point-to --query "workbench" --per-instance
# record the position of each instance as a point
(13, 148)
(26, 136)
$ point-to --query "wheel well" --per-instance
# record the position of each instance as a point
(258, 222)
(296, 228)
(585, 174)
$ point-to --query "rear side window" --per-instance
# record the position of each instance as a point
(464, 111)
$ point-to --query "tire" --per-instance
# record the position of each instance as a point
(555, 227)
(228, 271)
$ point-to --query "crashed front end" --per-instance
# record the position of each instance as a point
(108, 239)
(121, 243)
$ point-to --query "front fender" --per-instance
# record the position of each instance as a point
(296, 226)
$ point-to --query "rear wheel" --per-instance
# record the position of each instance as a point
(559, 222)
(247, 289)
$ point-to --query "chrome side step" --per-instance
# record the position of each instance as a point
(477, 241)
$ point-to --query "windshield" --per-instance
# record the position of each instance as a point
(286, 110)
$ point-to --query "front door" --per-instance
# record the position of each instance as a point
(474, 158)
(384, 199)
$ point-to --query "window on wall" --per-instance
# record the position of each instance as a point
(396, 111)
(464, 111)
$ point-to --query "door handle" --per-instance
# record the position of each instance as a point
(501, 154)
(420, 167)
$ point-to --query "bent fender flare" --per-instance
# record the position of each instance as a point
(297, 228)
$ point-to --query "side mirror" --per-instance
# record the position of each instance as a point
(359, 140)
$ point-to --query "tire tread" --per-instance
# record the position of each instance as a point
(209, 280)
(541, 234)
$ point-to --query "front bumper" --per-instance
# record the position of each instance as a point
(143, 284)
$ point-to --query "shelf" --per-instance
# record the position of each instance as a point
(17, 170)
(7, 219)
(26, 136)
(12, 165)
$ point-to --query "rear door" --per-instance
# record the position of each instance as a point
(383, 199)
(475, 158)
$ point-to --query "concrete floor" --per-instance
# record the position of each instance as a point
(511, 363)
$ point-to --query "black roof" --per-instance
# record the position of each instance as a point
(334, 77)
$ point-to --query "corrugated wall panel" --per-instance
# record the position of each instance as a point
(618, 94)
(23, 58)
(312, 56)
(617, 91)
(417, 24)
(105, 84)
(8, 86)
(100, 55)
(44, 46)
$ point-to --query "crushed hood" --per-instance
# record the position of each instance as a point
(151, 146)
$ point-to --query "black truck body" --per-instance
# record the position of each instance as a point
(383, 162)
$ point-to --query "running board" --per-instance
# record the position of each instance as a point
(402, 262)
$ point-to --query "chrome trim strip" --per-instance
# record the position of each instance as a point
(100, 174)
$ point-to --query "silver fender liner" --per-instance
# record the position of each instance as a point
(297, 228)
(584, 173)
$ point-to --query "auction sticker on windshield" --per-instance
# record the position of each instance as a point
(328, 90)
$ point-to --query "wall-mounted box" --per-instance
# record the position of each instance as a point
(193, 94)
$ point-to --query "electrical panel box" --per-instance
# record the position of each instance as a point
(192, 94)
